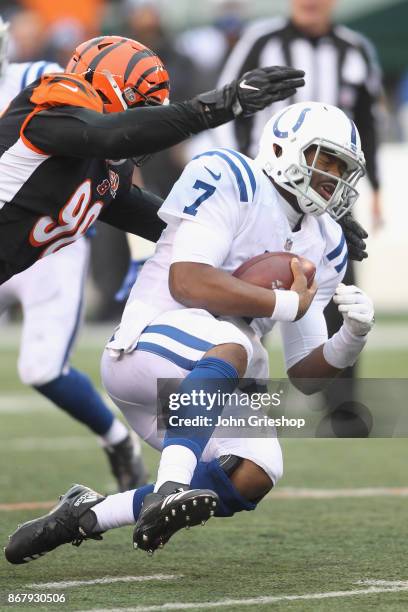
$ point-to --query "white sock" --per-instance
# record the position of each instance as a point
(116, 433)
(177, 463)
(115, 511)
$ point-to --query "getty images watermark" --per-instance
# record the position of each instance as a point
(240, 413)
(358, 408)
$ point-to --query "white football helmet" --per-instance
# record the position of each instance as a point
(299, 127)
(4, 37)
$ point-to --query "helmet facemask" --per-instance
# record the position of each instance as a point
(313, 151)
(337, 194)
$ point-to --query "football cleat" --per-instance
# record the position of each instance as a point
(127, 466)
(71, 520)
(172, 508)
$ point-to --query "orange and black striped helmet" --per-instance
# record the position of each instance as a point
(124, 72)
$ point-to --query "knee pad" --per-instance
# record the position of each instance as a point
(215, 475)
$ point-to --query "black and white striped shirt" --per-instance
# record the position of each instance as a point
(341, 69)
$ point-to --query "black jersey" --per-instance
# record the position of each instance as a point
(55, 180)
(49, 201)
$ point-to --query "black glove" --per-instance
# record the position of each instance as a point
(250, 93)
(355, 235)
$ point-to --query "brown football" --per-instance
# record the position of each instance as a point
(273, 271)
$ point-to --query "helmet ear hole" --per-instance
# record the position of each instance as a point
(277, 150)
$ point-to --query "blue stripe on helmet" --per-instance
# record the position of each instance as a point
(353, 133)
(243, 194)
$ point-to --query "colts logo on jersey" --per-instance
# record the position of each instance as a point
(74, 219)
(112, 184)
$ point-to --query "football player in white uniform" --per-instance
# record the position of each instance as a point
(51, 296)
(185, 320)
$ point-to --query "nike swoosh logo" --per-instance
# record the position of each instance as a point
(244, 85)
(74, 89)
(215, 176)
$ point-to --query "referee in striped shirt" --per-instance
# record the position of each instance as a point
(341, 69)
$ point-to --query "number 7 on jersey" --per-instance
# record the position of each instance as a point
(208, 191)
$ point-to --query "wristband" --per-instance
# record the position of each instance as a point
(342, 350)
(286, 305)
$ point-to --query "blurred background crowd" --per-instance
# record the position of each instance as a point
(194, 40)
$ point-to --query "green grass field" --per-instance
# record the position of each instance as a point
(333, 536)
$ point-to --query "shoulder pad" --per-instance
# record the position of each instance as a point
(66, 89)
(240, 170)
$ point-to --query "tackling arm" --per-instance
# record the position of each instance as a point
(135, 212)
(82, 132)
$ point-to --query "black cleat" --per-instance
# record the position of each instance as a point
(127, 466)
(172, 508)
(72, 520)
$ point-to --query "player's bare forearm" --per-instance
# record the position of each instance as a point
(312, 373)
(202, 286)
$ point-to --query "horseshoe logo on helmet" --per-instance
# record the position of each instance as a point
(296, 126)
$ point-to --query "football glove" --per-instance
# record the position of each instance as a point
(354, 234)
(250, 93)
(356, 307)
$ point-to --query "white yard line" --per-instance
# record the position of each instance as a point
(57, 443)
(106, 580)
(295, 493)
(26, 403)
(393, 587)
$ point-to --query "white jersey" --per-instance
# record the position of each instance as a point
(18, 75)
(222, 211)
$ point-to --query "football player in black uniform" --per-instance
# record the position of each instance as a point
(65, 142)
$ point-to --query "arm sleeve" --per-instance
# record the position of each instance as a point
(198, 243)
(135, 212)
(301, 337)
(78, 132)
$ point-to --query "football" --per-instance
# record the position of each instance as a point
(273, 271)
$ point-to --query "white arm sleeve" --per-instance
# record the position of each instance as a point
(200, 244)
(301, 337)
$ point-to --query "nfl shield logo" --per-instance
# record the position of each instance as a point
(288, 244)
